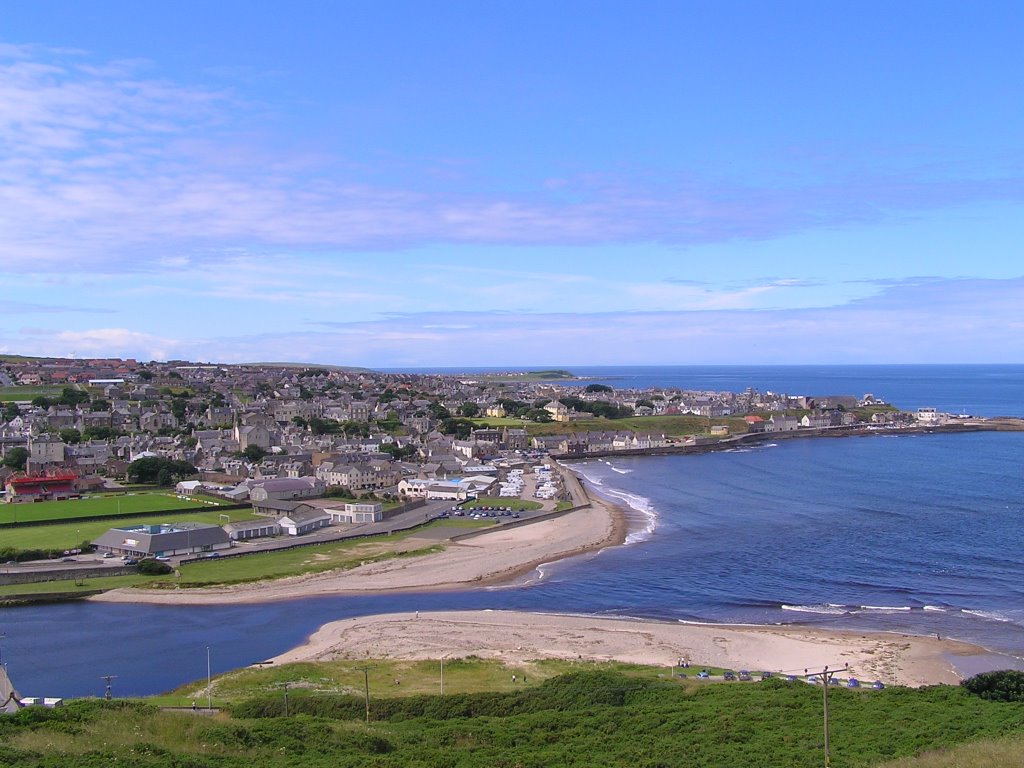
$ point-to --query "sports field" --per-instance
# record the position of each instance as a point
(70, 535)
(102, 505)
(9, 394)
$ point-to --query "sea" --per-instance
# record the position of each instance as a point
(912, 534)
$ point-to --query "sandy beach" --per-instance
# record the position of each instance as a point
(518, 637)
(493, 556)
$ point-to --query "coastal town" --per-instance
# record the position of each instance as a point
(315, 447)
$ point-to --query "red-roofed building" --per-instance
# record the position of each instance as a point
(43, 487)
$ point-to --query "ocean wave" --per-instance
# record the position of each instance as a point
(938, 608)
(620, 471)
(988, 615)
(886, 608)
(640, 504)
(589, 477)
(829, 608)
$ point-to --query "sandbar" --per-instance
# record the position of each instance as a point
(518, 637)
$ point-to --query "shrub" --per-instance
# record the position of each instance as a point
(1002, 685)
(151, 567)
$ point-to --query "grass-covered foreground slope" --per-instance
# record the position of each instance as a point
(580, 719)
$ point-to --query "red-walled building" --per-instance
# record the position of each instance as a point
(47, 487)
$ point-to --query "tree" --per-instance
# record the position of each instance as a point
(70, 436)
(399, 452)
(438, 411)
(254, 453)
(99, 404)
(178, 408)
(16, 458)
(42, 402)
(100, 433)
(11, 411)
(320, 426)
(71, 397)
(300, 422)
(597, 388)
(460, 428)
(155, 469)
(146, 375)
(469, 410)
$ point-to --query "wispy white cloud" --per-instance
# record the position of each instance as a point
(918, 321)
(100, 166)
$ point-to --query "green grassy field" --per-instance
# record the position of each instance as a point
(592, 716)
(670, 425)
(68, 535)
(497, 501)
(10, 394)
(103, 505)
(415, 678)
(506, 421)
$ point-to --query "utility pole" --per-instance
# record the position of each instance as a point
(108, 694)
(286, 699)
(366, 689)
(826, 679)
(209, 689)
(442, 672)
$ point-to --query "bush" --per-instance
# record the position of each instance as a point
(151, 567)
(1002, 685)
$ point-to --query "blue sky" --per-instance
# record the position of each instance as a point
(513, 183)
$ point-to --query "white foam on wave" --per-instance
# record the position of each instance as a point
(885, 608)
(590, 478)
(634, 501)
(620, 471)
(829, 608)
(644, 506)
(989, 615)
(938, 608)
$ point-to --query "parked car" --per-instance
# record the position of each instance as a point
(703, 674)
(853, 682)
(729, 675)
(744, 675)
(766, 675)
(878, 685)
